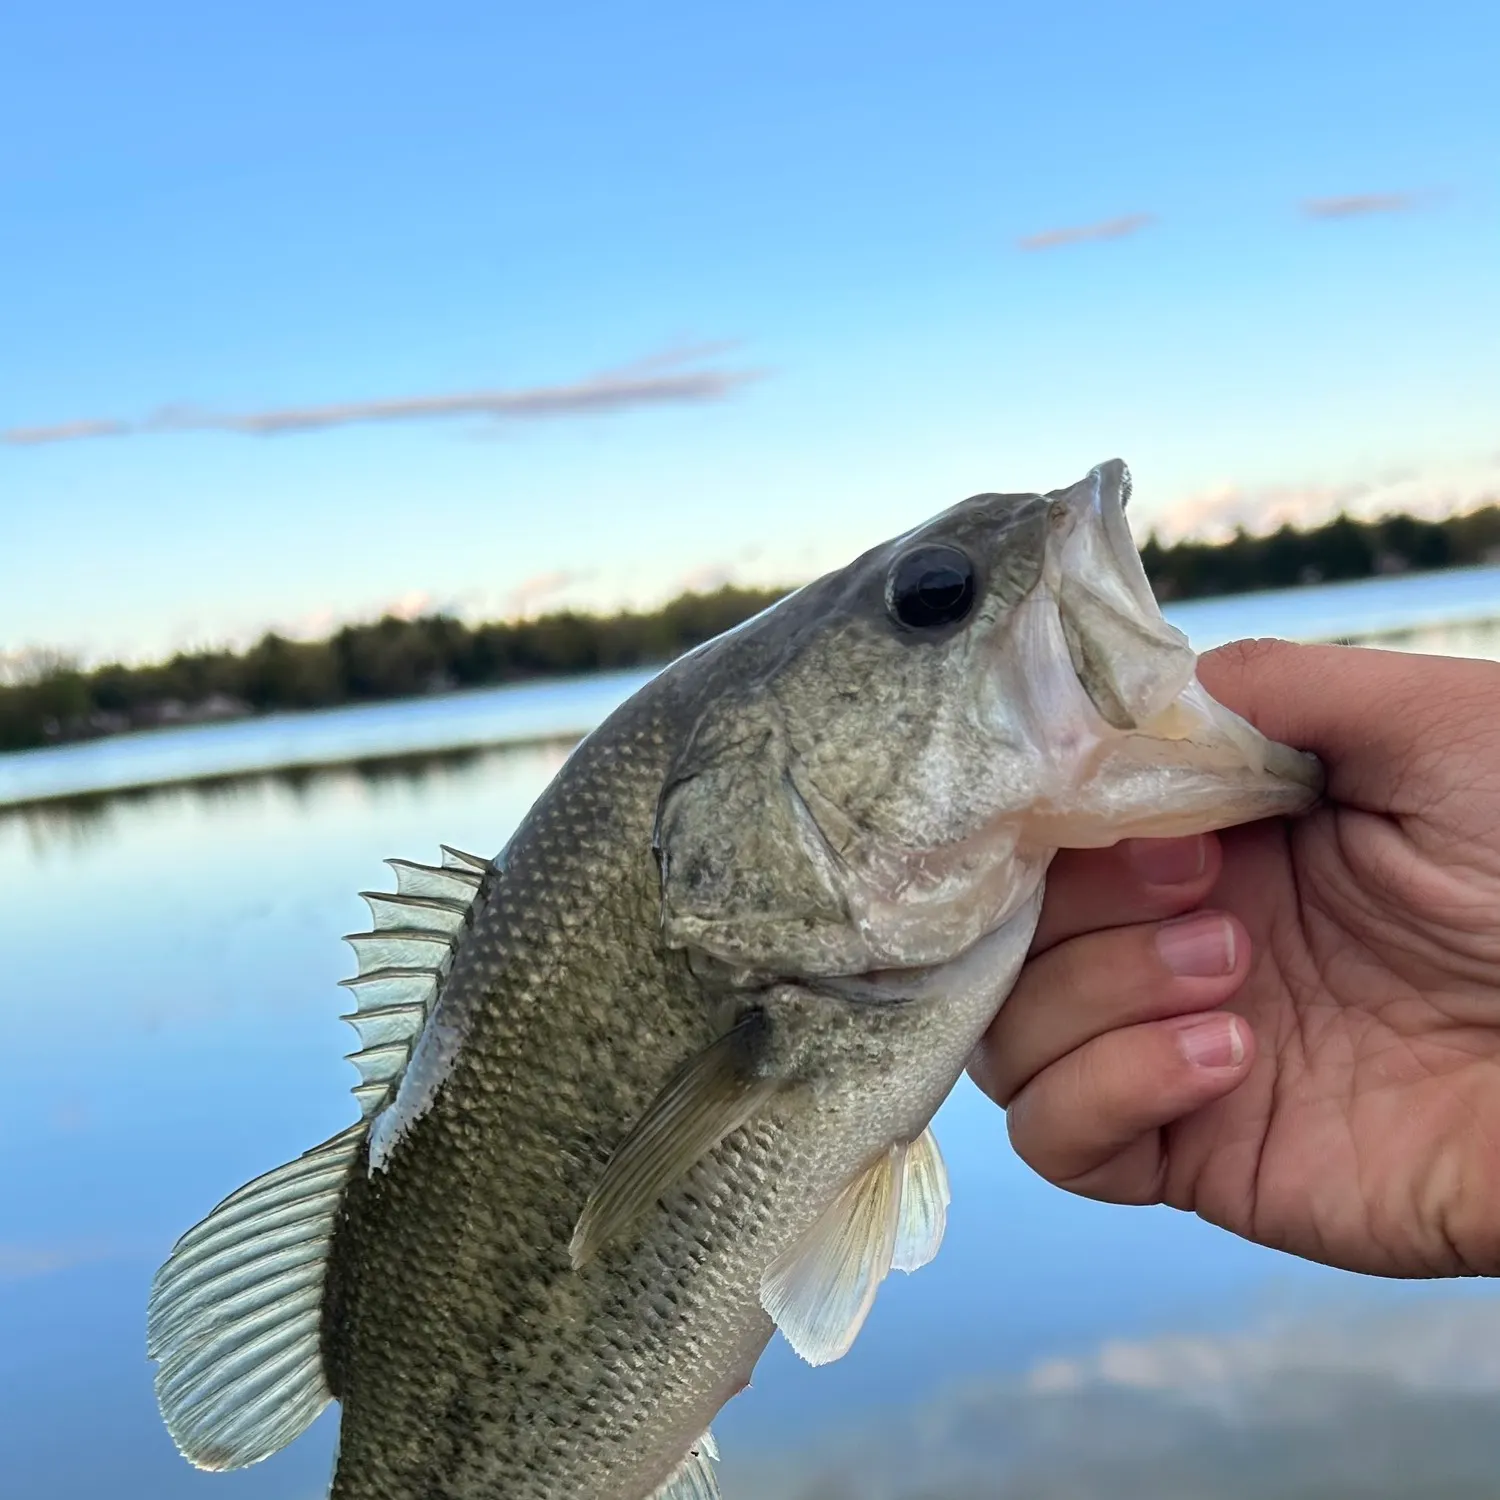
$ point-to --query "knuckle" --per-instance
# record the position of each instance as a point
(1101, 1086)
(1111, 966)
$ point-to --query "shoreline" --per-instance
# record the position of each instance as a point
(394, 762)
(1455, 611)
(514, 716)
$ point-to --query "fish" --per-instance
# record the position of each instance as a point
(656, 1081)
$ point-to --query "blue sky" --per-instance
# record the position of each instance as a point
(260, 209)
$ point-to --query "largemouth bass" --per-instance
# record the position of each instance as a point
(656, 1080)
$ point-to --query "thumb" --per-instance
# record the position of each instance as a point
(1368, 715)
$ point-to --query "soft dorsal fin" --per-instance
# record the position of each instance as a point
(234, 1314)
(402, 961)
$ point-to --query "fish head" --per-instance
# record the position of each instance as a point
(882, 765)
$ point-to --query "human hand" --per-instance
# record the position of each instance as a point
(1311, 1059)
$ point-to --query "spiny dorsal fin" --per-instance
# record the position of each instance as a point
(443, 883)
(456, 859)
(234, 1316)
(402, 961)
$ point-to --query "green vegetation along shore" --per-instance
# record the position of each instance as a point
(56, 701)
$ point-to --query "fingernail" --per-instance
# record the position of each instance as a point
(1212, 1041)
(1197, 947)
(1168, 861)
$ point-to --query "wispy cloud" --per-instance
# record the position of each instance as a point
(23, 1262)
(1106, 229)
(1352, 205)
(1434, 1345)
(65, 432)
(706, 578)
(531, 594)
(658, 380)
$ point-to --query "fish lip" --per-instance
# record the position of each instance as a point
(1088, 534)
(1102, 495)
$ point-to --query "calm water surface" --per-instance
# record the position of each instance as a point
(1457, 612)
(170, 1015)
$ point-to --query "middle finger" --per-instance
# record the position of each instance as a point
(1103, 981)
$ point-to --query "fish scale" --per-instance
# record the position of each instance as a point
(579, 1382)
(542, 1342)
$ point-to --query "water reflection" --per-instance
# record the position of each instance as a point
(93, 815)
(171, 1020)
(1394, 1406)
(170, 1014)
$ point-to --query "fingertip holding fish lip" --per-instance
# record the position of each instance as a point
(1300, 768)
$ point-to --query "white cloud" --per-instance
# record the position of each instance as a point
(1429, 1346)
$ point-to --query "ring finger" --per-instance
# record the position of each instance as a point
(1102, 982)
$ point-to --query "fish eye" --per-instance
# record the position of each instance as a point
(929, 587)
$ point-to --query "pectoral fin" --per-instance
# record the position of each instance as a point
(711, 1096)
(821, 1290)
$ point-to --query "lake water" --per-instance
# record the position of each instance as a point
(1457, 612)
(170, 1017)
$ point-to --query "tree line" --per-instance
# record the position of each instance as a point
(1340, 550)
(55, 700)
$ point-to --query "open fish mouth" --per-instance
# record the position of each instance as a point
(1151, 753)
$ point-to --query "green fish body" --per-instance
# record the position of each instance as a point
(657, 1080)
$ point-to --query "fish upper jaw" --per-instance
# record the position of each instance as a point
(1128, 659)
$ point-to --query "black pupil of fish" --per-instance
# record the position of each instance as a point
(931, 586)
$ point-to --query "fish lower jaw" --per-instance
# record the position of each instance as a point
(1156, 789)
(1196, 718)
(1188, 766)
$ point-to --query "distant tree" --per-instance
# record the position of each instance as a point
(44, 697)
(278, 673)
